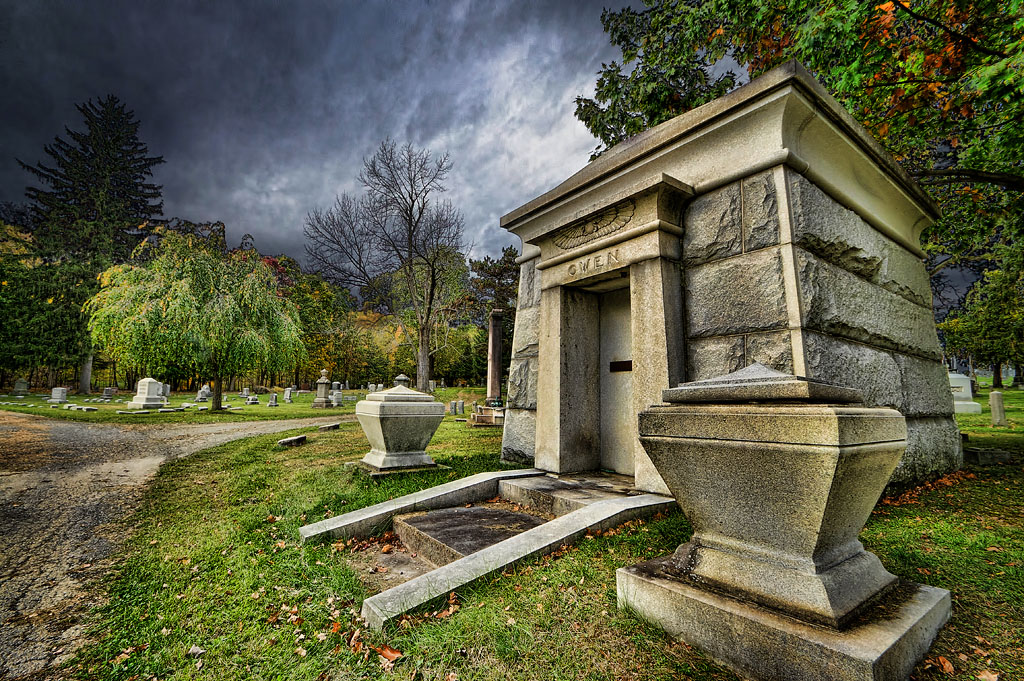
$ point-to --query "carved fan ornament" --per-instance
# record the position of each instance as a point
(604, 223)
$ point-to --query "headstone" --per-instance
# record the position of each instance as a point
(293, 441)
(272, 402)
(148, 395)
(963, 402)
(20, 387)
(995, 405)
(336, 398)
(109, 393)
(58, 396)
(461, 405)
(244, 393)
(167, 390)
(494, 358)
(288, 395)
(452, 406)
(777, 475)
(323, 385)
(433, 385)
(201, 396)
(399, 424)
(252, 399)
(336, 385)
(346, 385)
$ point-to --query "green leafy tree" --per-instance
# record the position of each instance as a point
(990, 328)
(94, 196)
(940, 83)
(195, 304)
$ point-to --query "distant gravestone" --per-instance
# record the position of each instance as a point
(20, 387)
(288, 395)
(148, 395)
(336, 386)
(252, 399)
(323, 386)
(461, 406)
(273, 400)
(963, 403)
(244, 393)
(167, 390)
(58, 396)
(109, 393)
(433, 385)
(337, 397)
(201, 396)
(995, 404)
(345, 386)
(452, 406)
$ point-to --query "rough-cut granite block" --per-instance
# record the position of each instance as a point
(760, 212)
(840, 236)
(840, 303)
(712, 226)
(738, 295)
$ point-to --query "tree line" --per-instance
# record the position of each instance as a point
(92, 275)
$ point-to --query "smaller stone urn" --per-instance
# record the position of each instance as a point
(323, 387)
(399, 423)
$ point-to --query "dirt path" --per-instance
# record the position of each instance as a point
(65, 487)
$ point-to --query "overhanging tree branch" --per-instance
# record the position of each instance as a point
(960, 37)
(948, 175)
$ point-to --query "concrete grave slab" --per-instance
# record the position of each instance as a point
(448, 534)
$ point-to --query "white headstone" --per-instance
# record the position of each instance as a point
(995, 405)
(288, 395)
(149, 394)
(252, 399)
(273, 400)
(336, 398)
(963, 403)
(58, 396)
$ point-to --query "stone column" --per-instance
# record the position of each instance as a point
(494, 358)
(656, 322)
(568, 382)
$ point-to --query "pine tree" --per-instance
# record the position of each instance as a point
(95, 194)
(98, 176)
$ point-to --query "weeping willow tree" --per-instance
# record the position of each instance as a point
(195, 305)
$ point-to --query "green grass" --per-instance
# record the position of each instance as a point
(214, 561)
(301, 407)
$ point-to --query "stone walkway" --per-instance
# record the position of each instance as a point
(65, 486)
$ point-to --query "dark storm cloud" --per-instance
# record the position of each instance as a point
(265, 110)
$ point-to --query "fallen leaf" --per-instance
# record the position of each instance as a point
(510, 621)
(388, 653)
(301, 652)
(335, 627)
(195, 651)
(387, 548)
(946, 665)
(199, 665)
(993, 548)
(988, 675)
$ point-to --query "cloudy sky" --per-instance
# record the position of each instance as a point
(264, 110)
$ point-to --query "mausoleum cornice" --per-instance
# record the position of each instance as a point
(785, 117)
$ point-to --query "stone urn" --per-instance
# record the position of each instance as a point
(777, 475)
(399, 423)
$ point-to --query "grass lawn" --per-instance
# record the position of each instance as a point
(214, 562)
(301, 407)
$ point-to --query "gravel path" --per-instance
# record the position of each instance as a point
(65, 487)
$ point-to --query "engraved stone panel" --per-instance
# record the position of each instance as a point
(604, 223)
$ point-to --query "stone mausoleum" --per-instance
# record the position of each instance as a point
(767, 226)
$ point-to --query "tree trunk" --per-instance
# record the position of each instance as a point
(423, 360)
(1017, 376)
(997, 375)
(85, 377)
(218, 387)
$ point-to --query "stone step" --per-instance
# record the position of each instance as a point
(446, 535)
(385, 606)
(567, 493)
